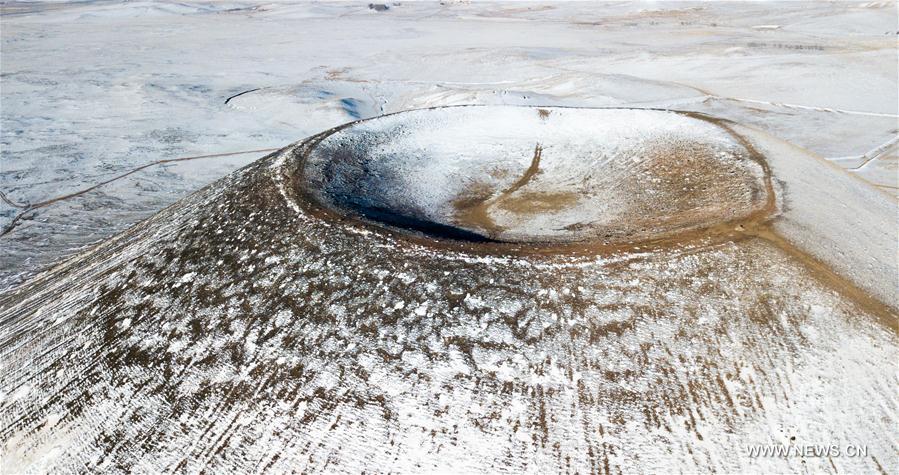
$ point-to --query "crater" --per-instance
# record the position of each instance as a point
(538, 175)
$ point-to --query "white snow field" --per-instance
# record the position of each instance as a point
(570, 237)
(91, 90)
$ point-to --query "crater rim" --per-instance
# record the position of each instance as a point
(450, 236)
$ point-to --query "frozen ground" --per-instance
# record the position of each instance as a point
(94, 89)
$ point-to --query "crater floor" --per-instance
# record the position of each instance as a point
(540, 175)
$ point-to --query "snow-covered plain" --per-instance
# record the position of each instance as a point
(94, 89)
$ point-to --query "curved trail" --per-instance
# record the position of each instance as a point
(29, 207)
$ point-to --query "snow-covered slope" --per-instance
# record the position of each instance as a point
(245, 330)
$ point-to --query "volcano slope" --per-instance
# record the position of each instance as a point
(474, 289)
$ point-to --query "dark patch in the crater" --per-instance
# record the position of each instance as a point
(426, 227)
